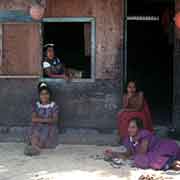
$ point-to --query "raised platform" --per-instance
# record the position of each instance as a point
(74, 136)
(67, 136)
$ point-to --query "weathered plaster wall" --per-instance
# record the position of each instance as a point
(109, 29)
(14, 4)
(21, 46)
(83, 104)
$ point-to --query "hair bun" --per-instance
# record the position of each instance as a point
(43, 84)
(49, 45)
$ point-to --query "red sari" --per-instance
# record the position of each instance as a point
(125, 117)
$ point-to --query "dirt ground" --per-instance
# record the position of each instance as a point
(66, 162)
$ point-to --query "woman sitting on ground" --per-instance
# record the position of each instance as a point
(44, 132)
(134, 105)
(147, 150)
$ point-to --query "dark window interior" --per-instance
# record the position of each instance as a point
(72, 44)
(150, 54)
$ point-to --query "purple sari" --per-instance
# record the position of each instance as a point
(46, 133)
(160, 154)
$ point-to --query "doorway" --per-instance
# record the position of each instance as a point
(149, 49)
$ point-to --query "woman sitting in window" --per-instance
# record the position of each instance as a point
(44, 132)
(134, 105)
(52, 66)
(146, 150)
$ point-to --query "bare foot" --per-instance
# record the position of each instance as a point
(31, 151)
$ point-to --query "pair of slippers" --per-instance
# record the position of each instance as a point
(117, 163)
(31, 151)
(114, 162)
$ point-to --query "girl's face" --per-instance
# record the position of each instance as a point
(50, 52)
(131, 88)
(44, 97)
(132, 129)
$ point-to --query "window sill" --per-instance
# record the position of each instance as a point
(19, 77)
(56, 80)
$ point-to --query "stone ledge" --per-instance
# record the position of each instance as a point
(67, 136)
(74, 136)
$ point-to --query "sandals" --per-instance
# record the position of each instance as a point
(117, 163)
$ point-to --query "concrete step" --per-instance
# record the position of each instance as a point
(67, 136)
(77, 136)
(88, 139)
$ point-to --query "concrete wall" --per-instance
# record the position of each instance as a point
(90, 105)
(83, 104)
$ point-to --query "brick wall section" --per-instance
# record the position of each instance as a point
(83, 105)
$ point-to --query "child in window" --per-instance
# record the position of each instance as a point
(52, 65)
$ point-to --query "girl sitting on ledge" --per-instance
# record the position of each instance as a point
(43, 132)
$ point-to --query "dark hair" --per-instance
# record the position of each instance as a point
(46, 48)
(127, 83)
(138, 122)
(43, 86)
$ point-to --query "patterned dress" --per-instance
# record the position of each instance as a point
(160, 155)
(55, 65)
(46, 133)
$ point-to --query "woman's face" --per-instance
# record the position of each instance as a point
(44, 97)
(50, 53)
(132, 129)
(131, 88)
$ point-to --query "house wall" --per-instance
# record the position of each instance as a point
(83, 104)
(19, 58)
(14, 5)
(109, 29)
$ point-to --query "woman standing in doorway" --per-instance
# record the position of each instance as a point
(134, 105)
(43, 132)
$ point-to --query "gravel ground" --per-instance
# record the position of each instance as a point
(66, 162)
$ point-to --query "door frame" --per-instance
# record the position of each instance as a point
(125, 63)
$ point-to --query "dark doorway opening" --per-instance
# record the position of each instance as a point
(72, 44)
(150, 53)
